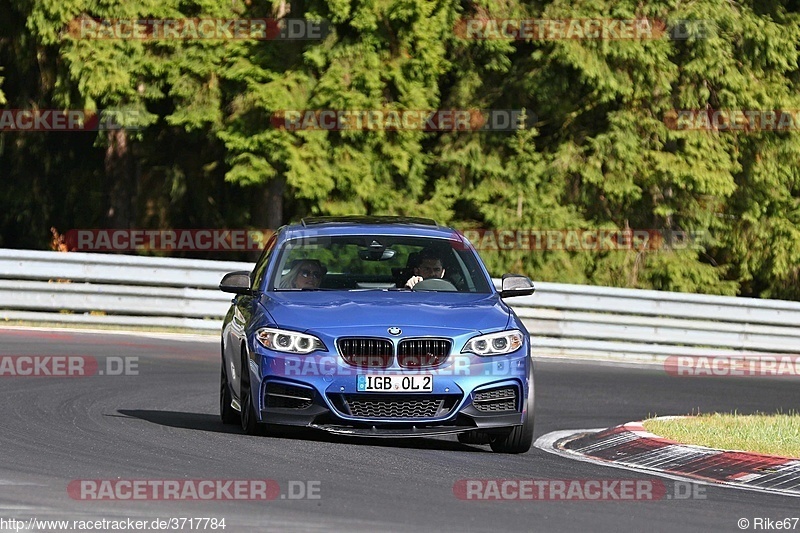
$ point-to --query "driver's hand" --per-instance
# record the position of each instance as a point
(413, 281)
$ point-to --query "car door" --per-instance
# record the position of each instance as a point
(239, 317)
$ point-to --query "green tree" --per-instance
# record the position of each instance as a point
(602, 153)
(379, 55)
(603, 136)
(165, 170)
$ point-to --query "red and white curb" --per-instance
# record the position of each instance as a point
(630, 447)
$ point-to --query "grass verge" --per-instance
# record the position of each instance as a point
(777, 434)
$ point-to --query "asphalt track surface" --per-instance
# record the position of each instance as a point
(163, 424)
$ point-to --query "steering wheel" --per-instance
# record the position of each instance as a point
(435, 284)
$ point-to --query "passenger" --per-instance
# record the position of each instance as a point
(304, 274)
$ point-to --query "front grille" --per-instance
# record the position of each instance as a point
(366, 352)
(397, 406)
(423, 353)
(494, 400)
(287, 396)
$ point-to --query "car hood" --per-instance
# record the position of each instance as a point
(333, 311)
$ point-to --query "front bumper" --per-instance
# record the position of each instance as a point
(324, 396)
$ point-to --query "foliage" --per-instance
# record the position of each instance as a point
(601, 152)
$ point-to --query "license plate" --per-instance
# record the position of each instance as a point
(386, 383)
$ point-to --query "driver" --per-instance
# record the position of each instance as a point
(429, 267)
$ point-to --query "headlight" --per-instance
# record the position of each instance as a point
(494, 343)
(282, 340)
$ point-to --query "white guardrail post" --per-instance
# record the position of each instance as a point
(571, 320)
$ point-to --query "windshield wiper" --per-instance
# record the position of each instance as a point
(302, 290)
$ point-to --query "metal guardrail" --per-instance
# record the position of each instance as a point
(121, 290)
(573, 320)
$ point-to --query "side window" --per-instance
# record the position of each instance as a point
(260, 270)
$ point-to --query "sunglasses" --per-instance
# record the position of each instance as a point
(316, 274)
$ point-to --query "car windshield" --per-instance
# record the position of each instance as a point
(377, 262)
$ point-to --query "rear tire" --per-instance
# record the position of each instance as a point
(227, 414)
(520, 438)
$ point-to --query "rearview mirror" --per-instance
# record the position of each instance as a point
(376, 252)
(236, 282)
(516, 285)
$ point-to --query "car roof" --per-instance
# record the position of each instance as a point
(369, 225)
(364, 219)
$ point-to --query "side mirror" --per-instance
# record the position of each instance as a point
(516, 285)
(236, 282)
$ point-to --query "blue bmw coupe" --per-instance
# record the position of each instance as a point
(380, 327)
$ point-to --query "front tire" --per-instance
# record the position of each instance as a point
(520, 438)
(474, 438)
(248, 418)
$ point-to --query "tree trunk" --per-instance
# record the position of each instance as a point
(269, 211)
(122, 180)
